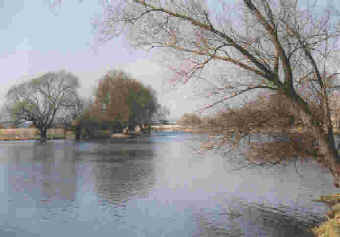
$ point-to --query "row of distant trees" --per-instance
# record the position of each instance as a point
(120, 101)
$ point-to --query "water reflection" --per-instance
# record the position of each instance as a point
(277, 201)
(153, 186)
(253, 220)
(42, 173)
(56, 166)
(121, 171)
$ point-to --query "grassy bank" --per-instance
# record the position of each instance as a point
(330, 228)
(18, 134)
(21, 134)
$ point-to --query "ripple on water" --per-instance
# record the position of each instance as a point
(152, 186)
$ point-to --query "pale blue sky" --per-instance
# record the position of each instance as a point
(36, 39)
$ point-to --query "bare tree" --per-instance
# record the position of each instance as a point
(42, 99)
(276, 45)
(70, 116)
(335, 109)
(162, 113)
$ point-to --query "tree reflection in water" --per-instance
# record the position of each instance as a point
(42, 170)
(121, 171)
(152, 186)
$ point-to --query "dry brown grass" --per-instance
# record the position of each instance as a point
(190, 119)
(28, 133)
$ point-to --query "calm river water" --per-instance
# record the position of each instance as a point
(152, 186)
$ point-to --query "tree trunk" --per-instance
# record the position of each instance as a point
(78, 132)
(325, 138)
(43, 135)
(329, 153)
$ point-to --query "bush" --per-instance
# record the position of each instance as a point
(273, 116)
(266, 112)
(190, 119)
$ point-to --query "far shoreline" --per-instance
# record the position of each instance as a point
(26, 134)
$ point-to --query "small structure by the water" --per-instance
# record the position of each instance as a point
(128, 133)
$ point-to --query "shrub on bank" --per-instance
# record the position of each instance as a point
(270, 116)
(190, 119)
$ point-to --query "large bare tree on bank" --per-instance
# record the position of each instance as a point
(280, 45)
(42, 99)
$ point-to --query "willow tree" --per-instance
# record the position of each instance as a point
(42, 99)
(123, 100)
(284, 46)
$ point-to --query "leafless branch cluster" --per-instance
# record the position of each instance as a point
(42, 99)
(286, 46)
(269, 116)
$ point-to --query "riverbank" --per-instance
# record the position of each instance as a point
(178, 128)
(330, 228)
(25, 134)
(200, 129)
(18, 134)
(22, 134)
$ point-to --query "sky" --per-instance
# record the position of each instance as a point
(36, 39)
